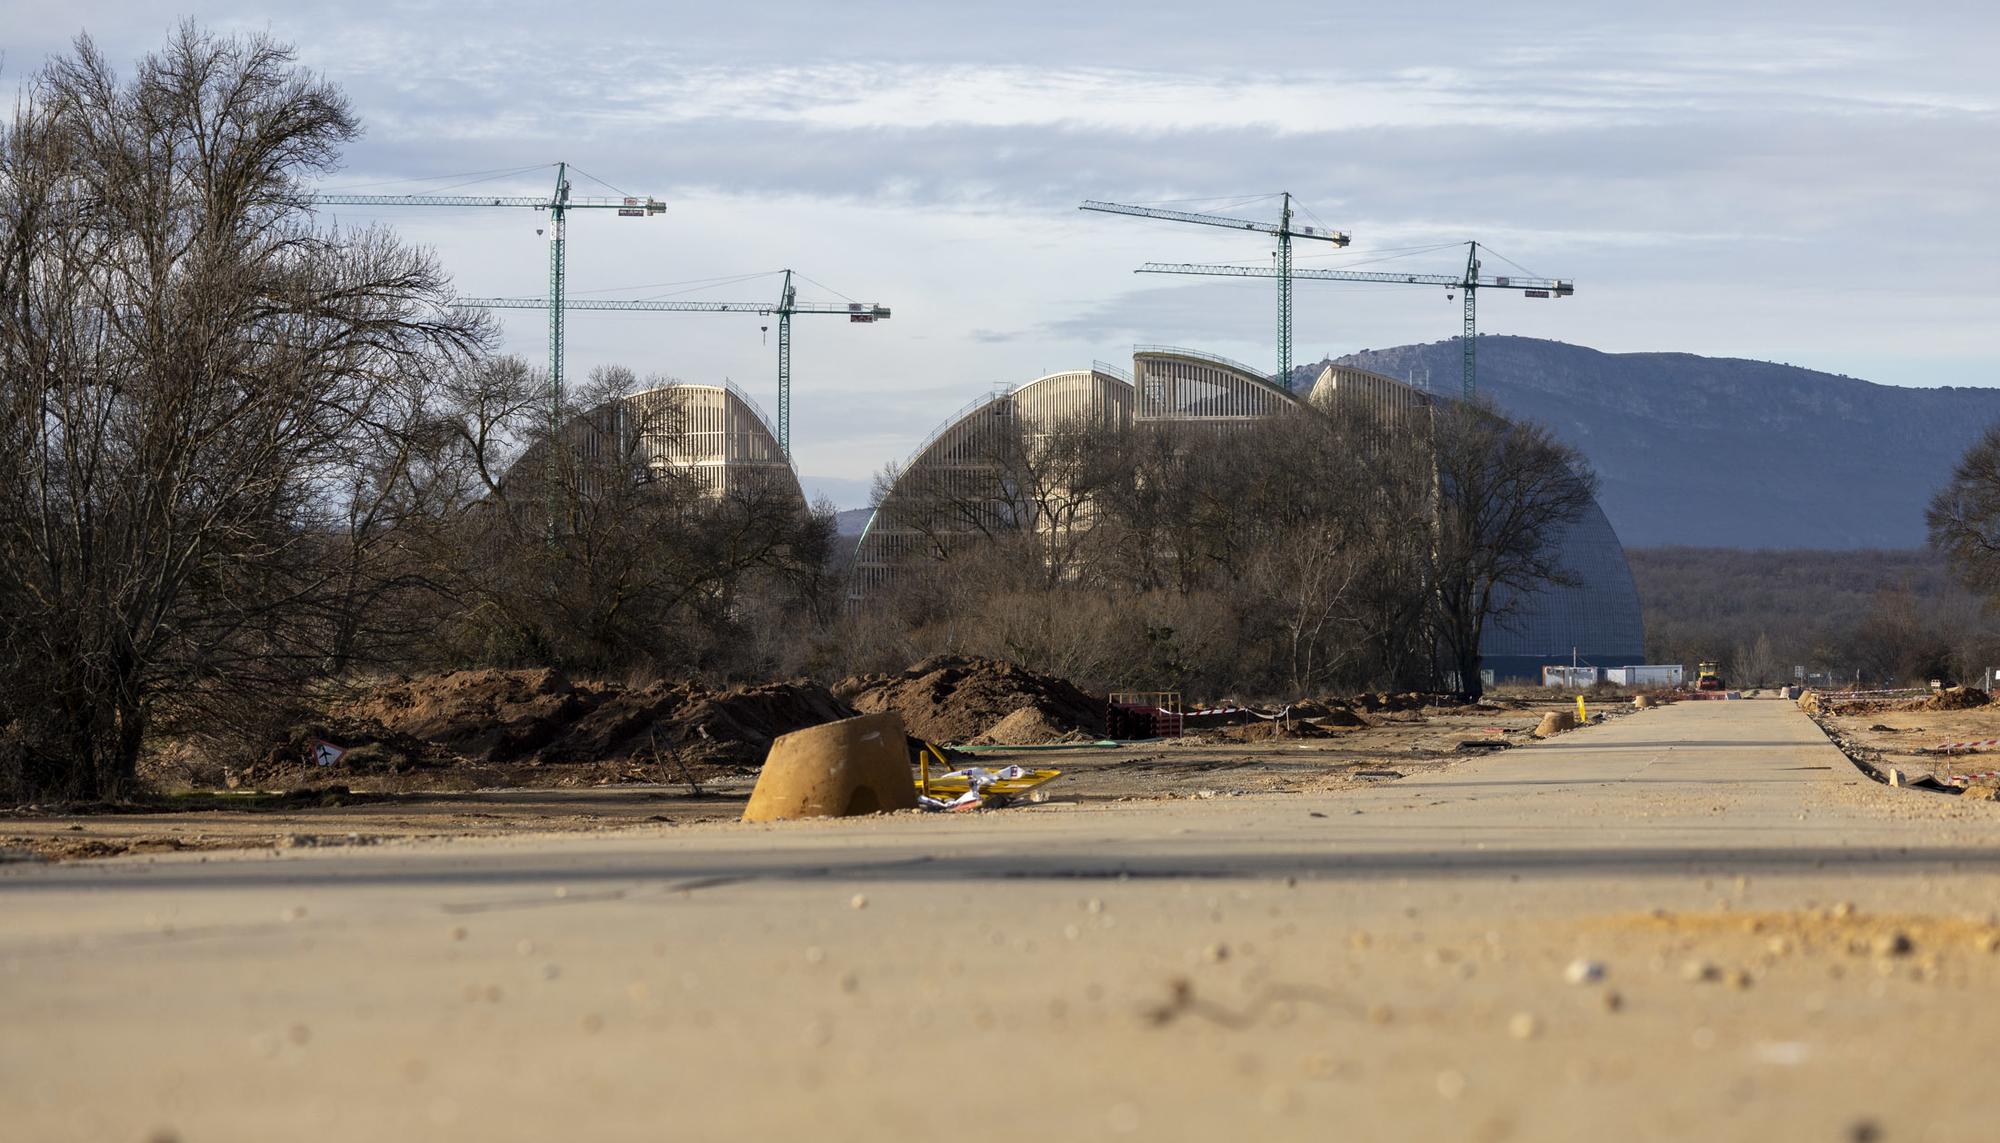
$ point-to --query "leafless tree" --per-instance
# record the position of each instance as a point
(1505, 493)
(606, 547)
(1028, 490)
(1964, 516)
(197, 382)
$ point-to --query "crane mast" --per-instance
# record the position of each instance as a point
(558, 204)
(1471, 281)
(786, 306)
(1283, 230)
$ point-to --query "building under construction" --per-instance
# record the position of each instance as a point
(1595, 619)
(714, 433)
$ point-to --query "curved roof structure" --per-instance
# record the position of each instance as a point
(1596, 619)
(961, 462)
(1344, 384)
(715, 431)
(1175, 384)
(961, 466)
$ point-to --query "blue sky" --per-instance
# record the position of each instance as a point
(1811, 183)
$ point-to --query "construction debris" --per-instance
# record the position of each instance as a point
(952, 698)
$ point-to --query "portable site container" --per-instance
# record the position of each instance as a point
(1571, 678)
(1648, 675)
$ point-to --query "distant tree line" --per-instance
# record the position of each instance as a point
(1883, 617)
(1337, 548)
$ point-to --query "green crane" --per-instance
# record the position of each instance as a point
(787, 305)
(558, 204)
(1283, 230)
(1471, 282)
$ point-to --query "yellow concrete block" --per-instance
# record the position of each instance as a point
(835, 770)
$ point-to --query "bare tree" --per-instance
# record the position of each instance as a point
(1028, 489)
(1964, 516)
(1505, 493)
(607, 546)
(196, 384)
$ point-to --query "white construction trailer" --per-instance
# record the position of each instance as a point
(1648, 675)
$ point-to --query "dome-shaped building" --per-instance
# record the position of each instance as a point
(955, 487)
(1594, 620)
(715, 433)
(1175, 384)
(961, 484)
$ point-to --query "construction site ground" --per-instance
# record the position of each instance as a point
(1223, 762)
(1908, 739)
(1697, 922)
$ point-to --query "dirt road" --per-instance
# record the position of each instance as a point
(1695, 922)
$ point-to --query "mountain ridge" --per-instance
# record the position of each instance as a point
(1723, 452)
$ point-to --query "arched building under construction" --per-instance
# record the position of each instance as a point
(1595, 620)
(713, 433)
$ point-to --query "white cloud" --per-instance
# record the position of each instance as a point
(1805, 180)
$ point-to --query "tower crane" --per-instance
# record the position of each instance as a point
(1283, 230)
(1471, 282)
(558, 204)
(786, 305)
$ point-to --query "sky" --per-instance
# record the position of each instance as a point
(1806, 183)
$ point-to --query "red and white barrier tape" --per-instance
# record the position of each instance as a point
(1976, 744)
(1968, 779)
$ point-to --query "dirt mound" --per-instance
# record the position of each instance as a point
(738, 725)
(541, 718)
(1027, 727)
(1957, 698)
(950, 698)
(368, 746)
(1377, 703)
(488, 716)
(1261, 731)
(1340, 716)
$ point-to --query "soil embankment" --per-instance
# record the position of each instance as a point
(491, 725)
(950, 698)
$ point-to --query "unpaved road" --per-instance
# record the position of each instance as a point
(1786, 952)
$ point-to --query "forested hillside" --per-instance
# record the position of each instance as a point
(1885, 614)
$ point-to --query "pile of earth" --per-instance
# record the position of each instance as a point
(1265, 730)
(1311, 714)
(1406, 701)
(1327, 712)
(1957, 698)
(953, 698)
(543, 718)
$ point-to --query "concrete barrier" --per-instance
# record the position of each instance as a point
(835, 770)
